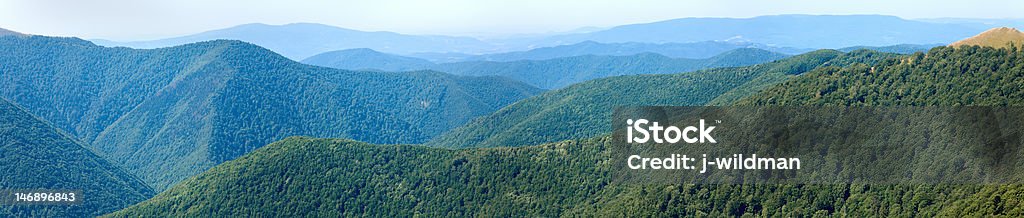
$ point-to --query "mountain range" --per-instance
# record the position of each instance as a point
(167, 114)
(582, 110)
(301, 40)
(800, 31)
(302, 176)
(692, 50)
(550, 73)
(229, 128)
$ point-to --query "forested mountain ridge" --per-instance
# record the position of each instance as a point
(551, 73)
(571, 178)
(166, 114)
(582, 110)
(35, 155)
(968, 75)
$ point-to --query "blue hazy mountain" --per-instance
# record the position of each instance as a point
(899, 49)
(549, 73)
(6, 32)
(300, 40)
(367, 59)
(704, 49)
(801, 31)
(978, 22)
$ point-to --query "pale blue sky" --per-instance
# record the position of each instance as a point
(140, 19)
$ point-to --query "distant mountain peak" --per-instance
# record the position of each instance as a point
(6, 32)
(1000, 37)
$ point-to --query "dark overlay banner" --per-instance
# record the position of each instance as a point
(817, 145)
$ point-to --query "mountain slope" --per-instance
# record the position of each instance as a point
(329, 177)
(940, 77)
(301, 177)
(558, 72)
(301, 40)
(35, 155)
(582, 110)
(801, 31)
(998, 37)
(166, 114)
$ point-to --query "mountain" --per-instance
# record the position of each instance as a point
(553, 73)
(303, 177)
(582, 110)
(337, 177)
(298, 41)
(978, 22)
(561, 72)
(898, 49)
(167, 114)
(301, 40)
(997, 37)
(990, 77)
(800, 31)
(5, 32)
(695, 50)
(36, 155)
(367, 59)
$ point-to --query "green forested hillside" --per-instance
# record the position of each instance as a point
(302, 176)
(35, 155)
(167, 114)
(550, 73)
(944, 76)
(583, 110)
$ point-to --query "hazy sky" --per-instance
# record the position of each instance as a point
(150, 19)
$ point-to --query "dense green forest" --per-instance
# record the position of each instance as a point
(35, 155)
(549, 73)
(170, 113)
(583, 110)
(304, 176)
